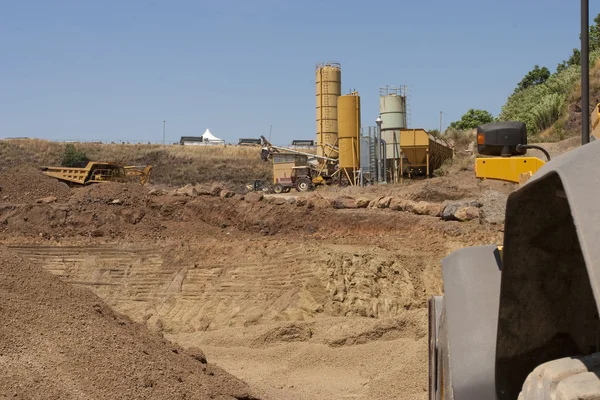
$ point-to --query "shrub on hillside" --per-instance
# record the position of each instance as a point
(72, 157)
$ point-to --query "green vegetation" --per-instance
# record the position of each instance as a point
(534, 77)
(72, 157)
(472, 119)
(541, 100)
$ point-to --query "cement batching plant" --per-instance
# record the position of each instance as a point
(349, 154)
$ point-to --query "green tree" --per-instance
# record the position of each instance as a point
(472, 119)
(72, 157)
(534, 77)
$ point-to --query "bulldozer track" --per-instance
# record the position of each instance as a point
(138, 282)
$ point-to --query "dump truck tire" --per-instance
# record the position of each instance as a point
(278, 188)
(570, 378)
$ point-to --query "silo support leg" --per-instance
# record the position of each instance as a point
(401, 168)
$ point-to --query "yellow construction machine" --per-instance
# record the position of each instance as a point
(521, 321)
(506, 145)
(98, 172)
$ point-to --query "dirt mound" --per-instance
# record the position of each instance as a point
(59, 341)
(129, 194)
(25, 184)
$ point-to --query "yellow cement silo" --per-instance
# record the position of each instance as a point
(349, 135)
(329, 88)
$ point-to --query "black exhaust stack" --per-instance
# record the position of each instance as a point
(585, 73)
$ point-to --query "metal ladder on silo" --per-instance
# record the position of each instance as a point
(324, 110)
(372, 162)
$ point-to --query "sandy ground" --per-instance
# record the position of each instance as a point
(300, 301)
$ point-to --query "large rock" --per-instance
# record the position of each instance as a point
(408, 205)
(397, 204)
(319, 202)
(253, 197)
(225, 194)
(435, 210)
(384, 202)
(493, 207)
(451, 208)
(187, 190)
(46, 200)
(301, 201)
(373, 203)
(216, 189)
(203, 190)
(279, 201)
(343, 202)
(466, 213)
(421, 208)
(362, 203)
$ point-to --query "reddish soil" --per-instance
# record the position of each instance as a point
(297, 298)
(60, 341)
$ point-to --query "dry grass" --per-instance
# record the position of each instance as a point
(173, 165)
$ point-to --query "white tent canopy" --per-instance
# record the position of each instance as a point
(207, 136)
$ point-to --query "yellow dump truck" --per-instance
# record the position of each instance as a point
(98, 172)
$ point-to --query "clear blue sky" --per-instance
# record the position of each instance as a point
(115, 69)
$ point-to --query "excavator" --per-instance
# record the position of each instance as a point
(520, 321)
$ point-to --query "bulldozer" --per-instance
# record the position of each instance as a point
(520, 320)
(99, 172)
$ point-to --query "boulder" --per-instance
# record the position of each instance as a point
(253, 197)
(343, 202)
(46, 200)
(409, 205)
(301, 201)
(449, 211)
(466, 213)
(116, 201)
(384, 202)
(421, 208)
(187, 190)
(373, 203)
(493, 207)
(362, 203)
(203, 190)
(291, 200)
(279, 201)
(216, 189)
(319, 202)
(435, 210)
(225, 194)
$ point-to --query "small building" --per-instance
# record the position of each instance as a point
(249, 142)
(303, 143)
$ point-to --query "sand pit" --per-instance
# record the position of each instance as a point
(299, 299)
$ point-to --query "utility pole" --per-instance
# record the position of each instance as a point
(585, 73)
(441, 122)
(164, 129)
(270, 129)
